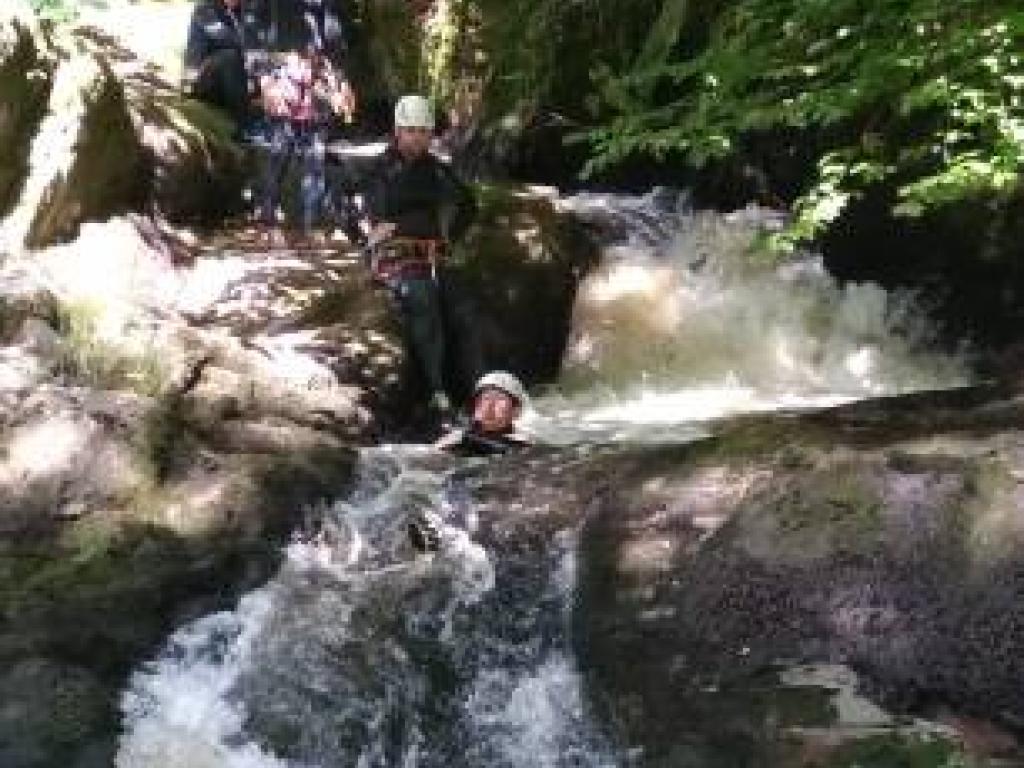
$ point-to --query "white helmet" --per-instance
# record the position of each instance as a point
(505, 382)
(414, 111)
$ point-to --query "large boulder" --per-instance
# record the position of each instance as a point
(519, 269)
(882, 537)
(90, 127)
(85, 161)
(197, 172)
(120, 520)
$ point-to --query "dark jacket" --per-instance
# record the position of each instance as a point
(422, 197)
(473, 442)
(213, 28)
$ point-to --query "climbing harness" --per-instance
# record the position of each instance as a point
(406, 258)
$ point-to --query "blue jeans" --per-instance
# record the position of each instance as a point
(289, 140)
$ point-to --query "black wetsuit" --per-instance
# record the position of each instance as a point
(476, 443)
(215, 59)
(425, 200)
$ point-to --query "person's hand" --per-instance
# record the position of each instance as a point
(381, 232)
(189, 78)
(343, 101)
(274, 102)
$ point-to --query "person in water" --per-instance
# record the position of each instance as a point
(499, 399)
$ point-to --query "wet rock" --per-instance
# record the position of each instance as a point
(907, 571)
(50, 709)
(24, 82)
(519, 269)
(121, 519)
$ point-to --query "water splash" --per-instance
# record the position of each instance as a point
(360, 653)
(695, 325)
(177, 710)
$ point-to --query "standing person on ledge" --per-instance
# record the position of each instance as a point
(299, 98)
(416, 208)
(215, 59)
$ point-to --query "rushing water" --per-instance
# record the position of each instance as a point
(359, 653)
(681, 324)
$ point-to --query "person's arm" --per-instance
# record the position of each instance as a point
(338, 93)
(375, 202)
(450, 440)
(459, 203)
(197, 48)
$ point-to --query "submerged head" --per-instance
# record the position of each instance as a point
(498, 400)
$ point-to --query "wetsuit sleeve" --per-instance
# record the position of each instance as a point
(458, 198)
(197, 47)
(375, 193)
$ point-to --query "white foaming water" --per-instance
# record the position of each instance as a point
(537, 715)
(178, 713)
(530, 718)
(694, 326)
(360, 654)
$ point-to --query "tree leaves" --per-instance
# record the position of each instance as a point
(937, 85)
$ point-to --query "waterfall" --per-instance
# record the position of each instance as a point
(360, 653)
(685, 320)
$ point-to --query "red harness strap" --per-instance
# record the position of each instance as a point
(408, 257)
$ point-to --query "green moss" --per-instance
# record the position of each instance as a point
(90, 359)
(84, 557)
(840, 496)
(896, 751)
(24, 84)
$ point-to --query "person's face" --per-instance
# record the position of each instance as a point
(413, 142)
(232, 5)
(494, 410)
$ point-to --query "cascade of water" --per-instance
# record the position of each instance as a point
(683, 322)
(359, 654)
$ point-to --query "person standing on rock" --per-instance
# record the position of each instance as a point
(215, 59)
(299, 97)
(416, 207)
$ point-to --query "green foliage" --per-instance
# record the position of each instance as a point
(541, 52)
(923, 94)
(55, 10)
(894, 751)
(88, 358)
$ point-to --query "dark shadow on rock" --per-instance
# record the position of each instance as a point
(713, 568)
(84, 601)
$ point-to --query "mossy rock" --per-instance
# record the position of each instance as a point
(521, 266)
(85, 160)
(197, 170)
(24, 83)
